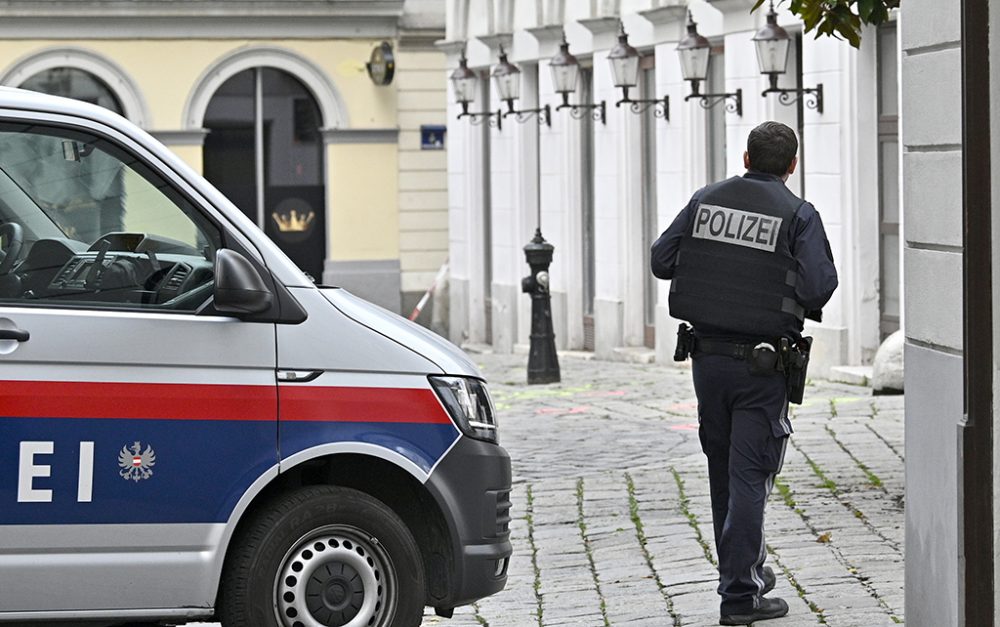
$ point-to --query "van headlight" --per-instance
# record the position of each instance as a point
(469, 404)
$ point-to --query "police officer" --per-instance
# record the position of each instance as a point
(748, 260)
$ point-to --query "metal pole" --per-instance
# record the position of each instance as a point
(258, 142)
(975, 485)
(800, 111)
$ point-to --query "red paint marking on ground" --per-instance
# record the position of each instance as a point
(559, 410)
(684, 407)
(685, 427)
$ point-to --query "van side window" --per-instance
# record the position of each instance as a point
(85, 223)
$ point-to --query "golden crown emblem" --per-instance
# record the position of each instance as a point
(293, 221)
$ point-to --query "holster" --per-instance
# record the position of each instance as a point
(795, 362)
(685, 342)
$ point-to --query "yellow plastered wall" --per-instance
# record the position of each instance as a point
(167, 70)
(362, 180)
(191, 155)
(423, 174)
(362, 187)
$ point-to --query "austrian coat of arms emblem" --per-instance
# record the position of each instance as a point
(135, 463)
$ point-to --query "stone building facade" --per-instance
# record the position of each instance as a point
(605, 189)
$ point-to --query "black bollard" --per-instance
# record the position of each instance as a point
(543, 363)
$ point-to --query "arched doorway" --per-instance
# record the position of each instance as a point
(264, 151)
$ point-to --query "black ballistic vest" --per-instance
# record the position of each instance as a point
(735, 272)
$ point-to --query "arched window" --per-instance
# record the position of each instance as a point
(70, 82)
(264, 151)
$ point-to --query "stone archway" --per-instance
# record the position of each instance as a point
(124, 88)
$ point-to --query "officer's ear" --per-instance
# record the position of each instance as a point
(791, 167)
(746, 159)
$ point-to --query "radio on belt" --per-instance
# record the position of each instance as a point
(193, 429)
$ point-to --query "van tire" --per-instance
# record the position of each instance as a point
(342, 536)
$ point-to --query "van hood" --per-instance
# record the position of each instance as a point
(448, 357)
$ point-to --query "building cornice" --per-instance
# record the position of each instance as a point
(198, 19)
(736, 15)
(203, 8)
(729, 6)
(603, 29)
(420, 39)
(494, 41)
(452, 48)
(665, 15)
(600, 25)
(548, 38)
(668, 22)
(360, 135)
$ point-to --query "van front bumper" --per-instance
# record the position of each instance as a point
(472, 485)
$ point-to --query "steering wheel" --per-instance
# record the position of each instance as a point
(15, 239)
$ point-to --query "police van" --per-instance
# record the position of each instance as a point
(190, 428)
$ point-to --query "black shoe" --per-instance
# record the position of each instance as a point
(769, 580)
(768, 609)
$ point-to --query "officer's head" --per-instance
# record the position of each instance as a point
(771, 148)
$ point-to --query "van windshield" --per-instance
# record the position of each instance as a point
(61, 183)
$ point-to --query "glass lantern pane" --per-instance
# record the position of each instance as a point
(564, 78)
(625, 71)
(508, 86)
(772, 55)
(465, 89)
(694, 63)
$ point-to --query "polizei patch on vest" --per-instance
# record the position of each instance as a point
(732, 226)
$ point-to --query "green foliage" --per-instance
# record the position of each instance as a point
(842, 19)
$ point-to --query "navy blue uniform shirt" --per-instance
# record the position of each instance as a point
(811, 249)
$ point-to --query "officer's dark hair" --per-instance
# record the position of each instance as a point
(771, 147)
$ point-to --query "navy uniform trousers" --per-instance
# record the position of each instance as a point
(743, 428)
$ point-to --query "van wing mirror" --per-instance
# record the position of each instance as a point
(239, 288)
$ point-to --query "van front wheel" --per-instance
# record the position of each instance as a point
(323, 556)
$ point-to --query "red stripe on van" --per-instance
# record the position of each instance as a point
(181, 401)
(136, 401)
(343, 404)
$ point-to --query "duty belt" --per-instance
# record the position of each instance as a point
(727, 349)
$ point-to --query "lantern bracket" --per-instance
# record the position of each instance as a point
(734, 100)
(597, 111)
(639, 106)
(492, 118)
(812, 97)
(544, 114)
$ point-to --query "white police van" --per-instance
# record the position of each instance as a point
(190, 428)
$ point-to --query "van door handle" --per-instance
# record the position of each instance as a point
(298, 376)
(18, 335)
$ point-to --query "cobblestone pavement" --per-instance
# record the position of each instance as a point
(612, 521)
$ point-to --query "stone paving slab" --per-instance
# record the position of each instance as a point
(620, 522)
(612, 519)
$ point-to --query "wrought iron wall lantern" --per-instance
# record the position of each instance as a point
(565, 74)
(464, 81)
(695, 54)
(625, 69)
(507, 78)
(772, 42)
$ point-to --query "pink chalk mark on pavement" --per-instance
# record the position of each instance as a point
(678, 407)
(560, 410)
(685, 427)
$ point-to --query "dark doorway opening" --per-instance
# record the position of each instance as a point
(265, 152)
